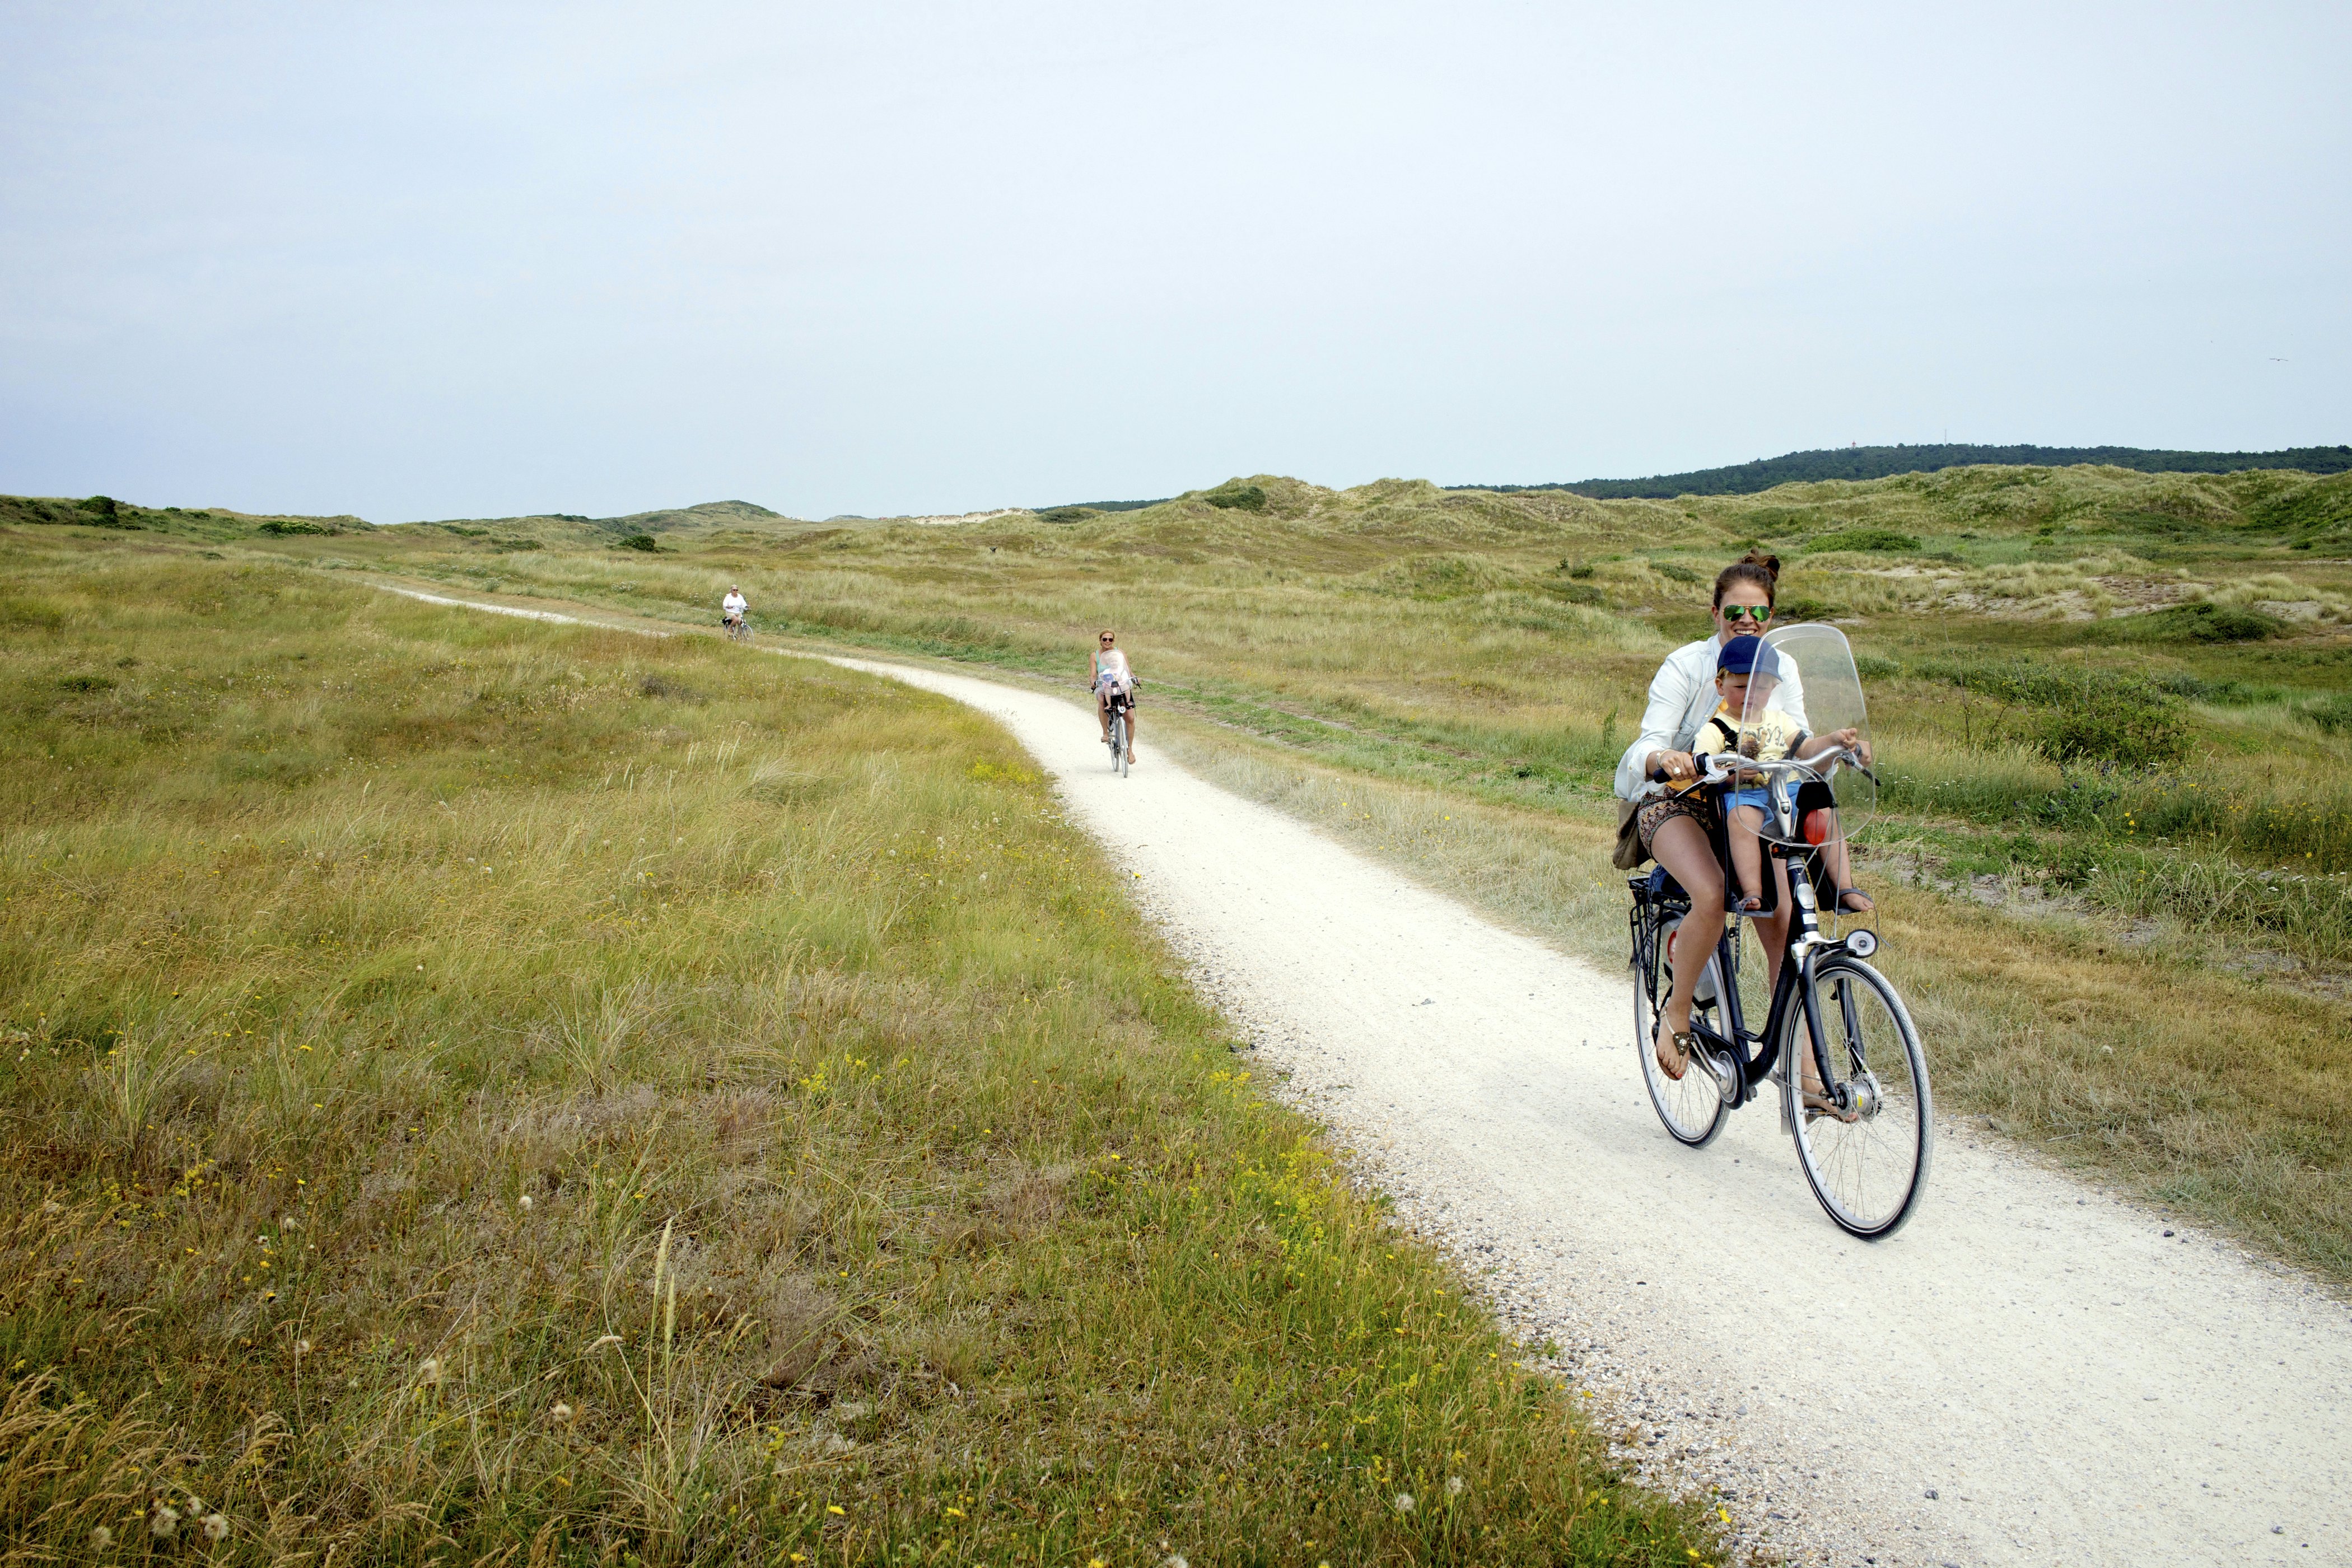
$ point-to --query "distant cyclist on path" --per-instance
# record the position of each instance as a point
(734, 607)
(1107, 672)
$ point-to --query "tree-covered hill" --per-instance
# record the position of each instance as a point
(1880, 462)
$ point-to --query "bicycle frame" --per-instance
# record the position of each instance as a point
(1758, 1054)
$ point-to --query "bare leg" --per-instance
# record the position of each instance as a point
(1840, 864)
(1131, 731)
(1747, 854)
(1681, 846)
(1102, 715)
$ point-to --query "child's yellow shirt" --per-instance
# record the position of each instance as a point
(1770, 738)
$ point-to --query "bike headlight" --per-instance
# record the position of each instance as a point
(1861, 943)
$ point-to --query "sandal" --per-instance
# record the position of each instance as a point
(1865, 908)
(1683, 1042)
(1750, 904)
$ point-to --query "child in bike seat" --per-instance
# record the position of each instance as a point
(1744, 725)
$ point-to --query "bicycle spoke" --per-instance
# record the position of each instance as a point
(1690, 1108)
(1867, 1171)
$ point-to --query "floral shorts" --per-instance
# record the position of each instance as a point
(1656, 814)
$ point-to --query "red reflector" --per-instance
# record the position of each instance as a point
(1817, 828)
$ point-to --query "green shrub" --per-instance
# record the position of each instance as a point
(2196, 688)
(2116, 727)
(2203, 622)
(1882, 538)
(285, 525)
(1077, 513)
(1237, 498)
(1674, 572)
(2332, 713)
(2101, 717)
(645, 541)
(1442, 576)
(97, 512)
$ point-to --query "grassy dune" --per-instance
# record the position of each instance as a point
(482, 1090)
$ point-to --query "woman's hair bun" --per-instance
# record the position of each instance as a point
(1757, 567)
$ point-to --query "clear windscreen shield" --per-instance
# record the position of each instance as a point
(1804, 691)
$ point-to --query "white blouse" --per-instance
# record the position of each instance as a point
(1681, 697)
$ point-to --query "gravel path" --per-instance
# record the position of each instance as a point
(2032, 1372)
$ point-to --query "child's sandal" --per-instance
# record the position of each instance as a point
(1863, 908)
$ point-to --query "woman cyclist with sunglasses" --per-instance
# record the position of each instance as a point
(1676, 827)
(1106, 671)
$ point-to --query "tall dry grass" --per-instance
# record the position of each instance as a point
(479, 1090)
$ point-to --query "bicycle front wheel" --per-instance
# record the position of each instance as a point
(1118, 743)
(1691, 1107)
(1868, 1171)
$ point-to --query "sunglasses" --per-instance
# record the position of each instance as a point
(1758, 613)
(1107, 641)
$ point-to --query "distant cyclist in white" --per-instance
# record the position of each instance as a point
(1107, 673)
(734, 605)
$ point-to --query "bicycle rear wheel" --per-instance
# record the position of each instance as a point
(1692, 1109)
(1867, 1172)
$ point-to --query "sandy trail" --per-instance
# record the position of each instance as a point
(2030, 1373)
(2034, 1371)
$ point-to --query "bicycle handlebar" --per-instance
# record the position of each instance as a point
(1720, 769)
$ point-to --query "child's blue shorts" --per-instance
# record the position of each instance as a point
(1753, 797)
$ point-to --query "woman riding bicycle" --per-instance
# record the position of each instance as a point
(1107, 672)
(1678, 827)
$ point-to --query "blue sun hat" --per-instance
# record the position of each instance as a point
(1747, 655)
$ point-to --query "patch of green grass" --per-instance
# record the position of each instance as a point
(474, 1087)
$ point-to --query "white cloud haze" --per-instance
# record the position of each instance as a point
(440, 260)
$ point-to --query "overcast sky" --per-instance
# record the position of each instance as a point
(419, 260)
